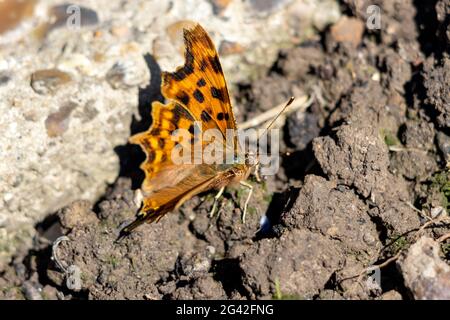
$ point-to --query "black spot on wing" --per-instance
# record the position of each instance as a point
(203, 65)
(156, 131)
(217, 93)
(221, 116)
(215, 64)
(146, 144)
(198, 95)
(176, 117)
(201, 82)
(183, 97)
(151, 155)
(189, 59)
(178, 75)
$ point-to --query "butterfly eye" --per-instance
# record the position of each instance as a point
(251, 159)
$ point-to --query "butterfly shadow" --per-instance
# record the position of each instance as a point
(130, 155)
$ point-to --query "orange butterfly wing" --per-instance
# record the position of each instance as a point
(167, 182)
(157, 144)
(197, 92)
(200, 84)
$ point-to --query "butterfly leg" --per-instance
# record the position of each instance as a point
(216, 199)
(250, 188)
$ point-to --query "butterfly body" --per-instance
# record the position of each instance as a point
(198, 101)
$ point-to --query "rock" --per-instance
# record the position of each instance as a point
(50, 293)
(77, 214)
(120, 31)
(228, 48)
(73, 278)
(72, 16)
(348, 30)
(267, 6)
(320, 14)
(5, 77)
(442, 13)
(296, 265)
(329, 295)
(200, 288)
(425, 274)
(355, 155)
(31, 291)
(443, 141)
(413, 164)
(219, 5)
(368, 156)
(391, 295)
(436, 79)
(418, 135)
(57, 277)
(126, 74)
(58, 122)
(398, 70)
(49, 80)
(14, 12)
(323, 206)
(194, 265)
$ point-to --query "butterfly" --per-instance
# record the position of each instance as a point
(198, 100)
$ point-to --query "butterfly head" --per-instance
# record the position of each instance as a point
(251, 159)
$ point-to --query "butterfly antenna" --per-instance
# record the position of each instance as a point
(270, 126)
(276, 117)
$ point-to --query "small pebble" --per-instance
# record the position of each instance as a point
(14, 12)
(228, 48)
(4, 78)
(267, 6)
(120, 31)
(49, 80)
(66, 14)
(58, 122)
(30, 291)
(348, 30)
(219, 5)
(124, 74)
(437, 211)
(73, 281)
(443, 141)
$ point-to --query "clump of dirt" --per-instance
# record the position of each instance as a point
(363, 173)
